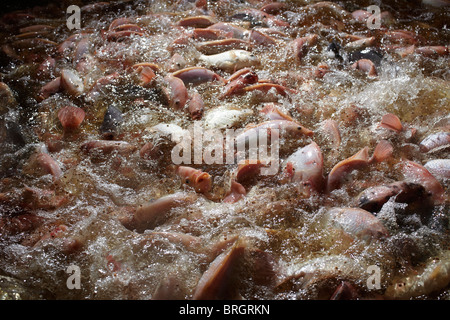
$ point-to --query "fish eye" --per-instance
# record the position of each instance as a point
(299, 128)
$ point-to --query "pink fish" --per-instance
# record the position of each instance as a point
(367, 66)
(177, 93)
(215, 282)
(236, 192)
(284, 126)
(414, 172)
(197, 75)
(196, 106)
(238, 81)
(71, 117)
(359, 160)
(195, 178)
(357, 223)
(44, 163)
(155, 212)
(106, 147)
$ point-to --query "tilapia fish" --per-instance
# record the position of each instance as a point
(252, 150)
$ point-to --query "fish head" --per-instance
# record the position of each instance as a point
(248, 57)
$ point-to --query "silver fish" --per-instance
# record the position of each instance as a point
(440, 168)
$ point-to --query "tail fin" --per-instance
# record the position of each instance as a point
(383, 151)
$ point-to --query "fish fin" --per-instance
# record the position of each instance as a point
(383, 151)
(392, 122)
(263, 269)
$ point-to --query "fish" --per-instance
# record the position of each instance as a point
(215, 283)
(237, 191)
(112, 121)
(149, 151)
(197, 75)
(230, 61)
(105, 160)
(367, 66)
(284, 126)
(104, 148)
(260, 39)
(430, 51)
(361, 43)
(249, 168)
(224, 116)
(177, 93)
(195, 178)
(301, 45)
(170, 130)
(432, 277)
(273, 7)
(214, 47)
(71, 117)
(154, 212)
(392, 122)
(416, 173)
(196, 106)
(197, 21)
(357, 223)
(439, 168)
(273, 112)
(235, 30)
(50, 88)
(435, 142)
(372, 199)
(43, 163)
(238, 81)
(265, 87)
(359, 160)
(71, 82)
(307, 166)
(331, 129)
